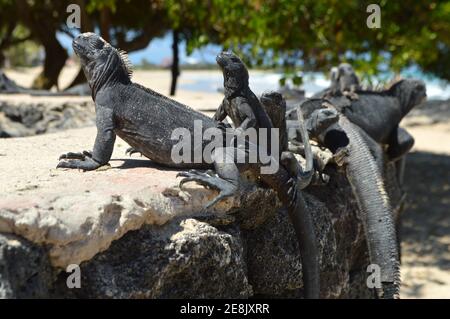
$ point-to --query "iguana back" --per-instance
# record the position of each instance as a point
(146, 120)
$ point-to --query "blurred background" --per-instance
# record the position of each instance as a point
(286, 44)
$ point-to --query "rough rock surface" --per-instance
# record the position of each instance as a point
(429, 112)
(188, 258)
(136, 235)
(25, 271)
(19, 119)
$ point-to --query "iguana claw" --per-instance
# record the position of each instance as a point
(76, 155)
(340, 157)
(131, 150)
(85, 164)
(210, 180)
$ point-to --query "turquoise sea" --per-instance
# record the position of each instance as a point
(313, 82)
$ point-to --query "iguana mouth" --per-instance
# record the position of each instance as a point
(220, 59)
(77, 48)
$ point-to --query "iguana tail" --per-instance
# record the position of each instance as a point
(289, 183)
(304, 229)
(376, 212)
(290, 195)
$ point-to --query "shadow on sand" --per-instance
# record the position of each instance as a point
(425, 229)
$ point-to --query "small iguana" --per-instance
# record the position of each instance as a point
(246, 111)
(275, 107)
(146, 119)
(344, 81)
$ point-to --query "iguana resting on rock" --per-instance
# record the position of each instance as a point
(394, 103)
(356, 142)
(379, 113)
(246, 111)
(357, 153)
(146, 120)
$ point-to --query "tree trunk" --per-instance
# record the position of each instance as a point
(175, 68)
(55, 59)
(105, 24)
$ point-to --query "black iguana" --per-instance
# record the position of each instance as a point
(344, 81)
(379, 113)
(364, 110)
(146, 120)
(275, 106)
(356, 141)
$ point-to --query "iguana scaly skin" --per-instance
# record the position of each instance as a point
(146, 119)
(275, 106)
(246, 111)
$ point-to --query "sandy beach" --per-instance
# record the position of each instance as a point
(426, 220)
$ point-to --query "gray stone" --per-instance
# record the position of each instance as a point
(25, 270)
(27, 119)
(182, 259)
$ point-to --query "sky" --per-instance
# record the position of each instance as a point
(160, 49)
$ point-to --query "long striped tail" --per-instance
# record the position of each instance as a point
(376, 212)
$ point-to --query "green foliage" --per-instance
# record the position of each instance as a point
(292, 34)
(315, 35)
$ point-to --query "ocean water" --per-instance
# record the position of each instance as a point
(313, 82)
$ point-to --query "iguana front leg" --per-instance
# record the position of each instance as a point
(249, 119)
(103, 146)
(225, 179)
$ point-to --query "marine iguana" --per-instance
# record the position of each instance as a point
(379, 113)
(275, 107)
(362, 158)
(246, 111)
(344, 81)
(146, 119)
(142, 117)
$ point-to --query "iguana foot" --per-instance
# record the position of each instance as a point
(340, 157)
(131, 150)
(210, 180)
(76, 155)
(86, 164)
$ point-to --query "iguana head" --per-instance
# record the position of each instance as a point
(322, 119)
(235, 73)
(273, 98)
(101, 62)
(347, 77)
(410, 92)
(345, 69)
